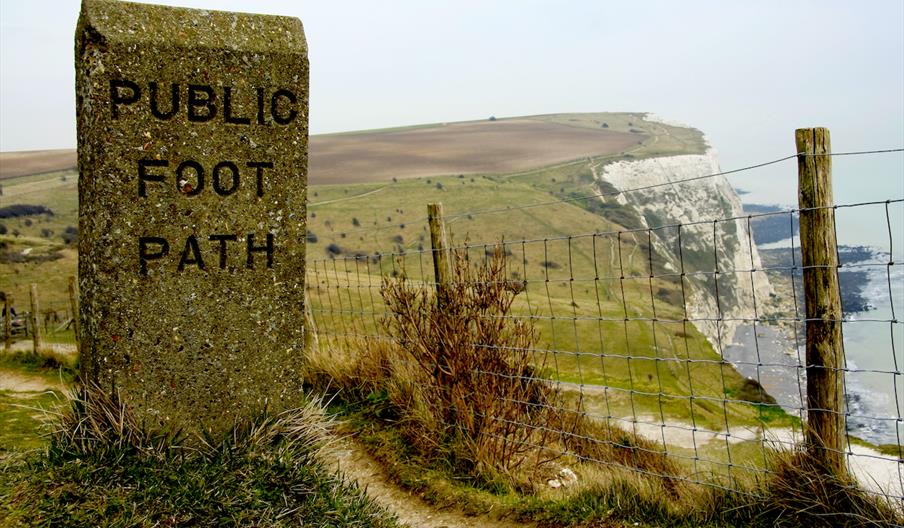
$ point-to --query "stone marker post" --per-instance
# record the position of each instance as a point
(192, 150)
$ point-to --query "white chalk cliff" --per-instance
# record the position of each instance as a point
(718, 302)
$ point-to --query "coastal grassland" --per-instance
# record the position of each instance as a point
(23, 163)
(470, 147)
(58, 191)
(664, 140)
(53, 366)
(32, 387)
(47, 264)
(574, 293)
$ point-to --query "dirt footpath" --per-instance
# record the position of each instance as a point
(11, 380)
(358, 466)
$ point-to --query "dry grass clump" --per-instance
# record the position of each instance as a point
(460, 378)
(97, 420)
(354, 366)
(802, 492)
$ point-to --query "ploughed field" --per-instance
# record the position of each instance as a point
(27, 163)
(477, 147)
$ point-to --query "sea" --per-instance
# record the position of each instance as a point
(873, 341)
(874, 350)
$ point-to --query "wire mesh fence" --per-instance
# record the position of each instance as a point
(688, 340)
(683, 340)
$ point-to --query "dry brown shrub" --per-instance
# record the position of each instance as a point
(474, 367)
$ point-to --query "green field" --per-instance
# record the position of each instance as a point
(23, 416)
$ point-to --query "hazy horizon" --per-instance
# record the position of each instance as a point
(746, 75)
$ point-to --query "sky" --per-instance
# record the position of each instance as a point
(745, 73)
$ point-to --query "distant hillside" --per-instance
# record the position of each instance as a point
(512, 160)
(468, 147)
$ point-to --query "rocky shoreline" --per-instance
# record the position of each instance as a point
(772, 234)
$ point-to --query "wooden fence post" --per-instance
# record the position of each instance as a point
(7, 323)
(825, 431)
(439, 245)
(35, 327)
(73, 307)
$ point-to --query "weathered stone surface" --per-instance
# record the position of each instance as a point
(192, 286)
